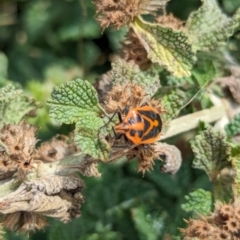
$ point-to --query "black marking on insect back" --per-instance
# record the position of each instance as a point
(152, 115)
(140, 133)
(159, 122)
(152, 134)
(132, 132)
(131, 121)
(138, 118)
(146, 124)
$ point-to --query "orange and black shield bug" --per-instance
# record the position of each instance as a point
(141, 125)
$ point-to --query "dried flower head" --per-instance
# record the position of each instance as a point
(19, 144)
(224, 223)
(55, 149)
(133, 50)
(200, 229)
(171, 22)
(121, 12)
(121, 96)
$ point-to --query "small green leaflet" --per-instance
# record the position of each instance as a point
(208, 27)
(77, 102)
(14, 101)
(211, 152)
(233, 127)
(199, 201)
(165, 46)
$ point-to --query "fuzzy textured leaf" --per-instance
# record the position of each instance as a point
(199, 201)
(87, 137)
(72, 101)
(172, 100)
(14, 101)
(211, 152)
(209, 27)
(165, 46)
(233, 127)
(123, 72)
(77, 102)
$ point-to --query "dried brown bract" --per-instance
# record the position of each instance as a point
(19, 145)
(171, 156)
(133, 50)
(232, 83)
(55, 196)
(171, 22)
(222, 224)
(55, 149)
(118, 13)
(121, 96)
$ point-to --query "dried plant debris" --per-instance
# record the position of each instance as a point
(121, 96)
(18, 142)
(56, 196)
(171, 22)
(232, 83)
(118, 13)
(223, 223)
(171, 156)
(133, 50)
(18, 152)
(146, 155)
(55, 149)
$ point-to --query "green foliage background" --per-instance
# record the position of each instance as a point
(48, 42)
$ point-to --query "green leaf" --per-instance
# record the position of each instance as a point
(209, 27)
(203, 71)
(122, 73)
(165, 46)
(73, 100)
(233, 127)
(211, 152)
(87, 137)
(172, 100)
(199, 201)
(14, 101)
(77, 102)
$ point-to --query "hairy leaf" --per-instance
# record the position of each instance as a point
(72, 101)
(14, 101)
(209, 27)
(123, 72)
(77, 102)
(211, 152)
(172, 100)
(165, 46)
(87, 137)
(199, 201)
(233, 127)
